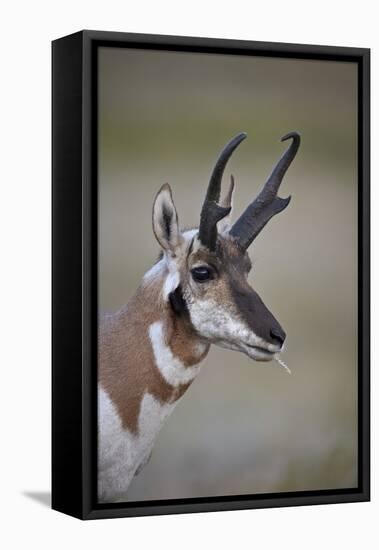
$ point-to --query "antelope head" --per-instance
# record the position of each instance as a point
(207, 269)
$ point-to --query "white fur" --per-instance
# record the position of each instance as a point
(217, 323)
(171, 368)
(164, 207)
(173, 278)
(189, 234)
(168, 262)
(154, 271)
(122, 452)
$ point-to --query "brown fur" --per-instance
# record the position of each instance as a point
(127, 367)
(126, 363)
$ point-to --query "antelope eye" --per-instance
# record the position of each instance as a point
(201, 273)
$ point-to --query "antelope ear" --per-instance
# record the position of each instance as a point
(165, 220)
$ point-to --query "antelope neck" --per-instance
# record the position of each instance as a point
(146, 348)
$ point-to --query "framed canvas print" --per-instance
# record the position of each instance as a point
(210, 274)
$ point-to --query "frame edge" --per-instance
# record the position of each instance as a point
(67, 422)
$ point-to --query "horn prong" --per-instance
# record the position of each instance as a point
(212, 212)
(267, 203)
(227, 199)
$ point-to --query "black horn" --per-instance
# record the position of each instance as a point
(212, 212)
(267, 203)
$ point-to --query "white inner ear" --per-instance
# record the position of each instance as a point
(165, 221)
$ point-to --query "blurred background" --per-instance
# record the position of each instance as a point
(243, 427)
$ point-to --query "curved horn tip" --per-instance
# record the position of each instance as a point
(294, 135)
(241, 136)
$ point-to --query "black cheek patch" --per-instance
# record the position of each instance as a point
(178, 303)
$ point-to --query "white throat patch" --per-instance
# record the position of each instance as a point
(172, 369)
(120, 452)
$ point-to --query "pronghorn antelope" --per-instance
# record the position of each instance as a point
(195, 295)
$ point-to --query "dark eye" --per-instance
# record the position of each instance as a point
(201, 273)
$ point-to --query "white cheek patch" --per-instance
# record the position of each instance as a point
(217, 323)
(171, 368)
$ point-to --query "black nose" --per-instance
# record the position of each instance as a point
(278, 335)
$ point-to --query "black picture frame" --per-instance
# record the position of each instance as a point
(74, 332)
